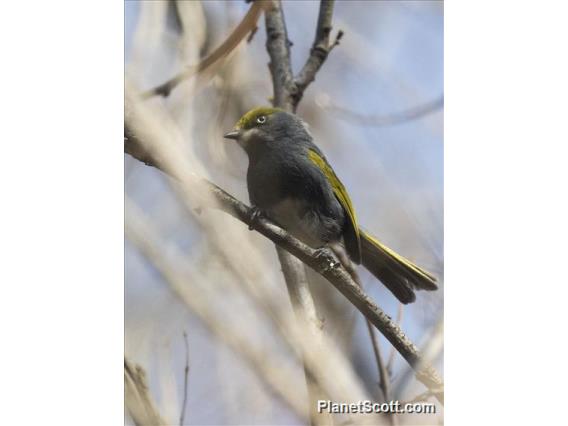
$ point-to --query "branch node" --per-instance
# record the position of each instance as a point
(326, 260)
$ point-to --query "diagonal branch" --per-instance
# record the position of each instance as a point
(138, 400)
(319, 52)
(337, 275)
(246, 26)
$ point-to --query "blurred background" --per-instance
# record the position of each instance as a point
(375, 109)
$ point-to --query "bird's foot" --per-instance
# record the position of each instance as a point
(255, 215)
(327, 259)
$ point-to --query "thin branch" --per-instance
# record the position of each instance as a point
(424, 396)
(268, 366)
(384, 377)
(185, 379)
(303, 304)
(430, 351)
(137, 398)
(246, 26)
(383, 374)
(399, 314)
(278, 47)
(319, 52)
(337, 275)
(414, 113)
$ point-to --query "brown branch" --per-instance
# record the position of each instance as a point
(305, 310)
(185, 379)
(319, 52)
(384, 383)
(384, 378)
(399, 314)
(246, 26)
(278, 47)
(137, 398)
(134, 147)
(337, 275)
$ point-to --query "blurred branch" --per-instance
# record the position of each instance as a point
(303, 304)
(268, 366)
(246, 26)
(324, 101)
(185, 379)
(137, 398)
(135, 148)
(431, 349)
(337, 275)
(319, 52)
(383, 374)
(424, 396)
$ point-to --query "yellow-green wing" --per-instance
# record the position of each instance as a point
(352, 238)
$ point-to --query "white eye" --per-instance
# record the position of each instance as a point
(261, 119)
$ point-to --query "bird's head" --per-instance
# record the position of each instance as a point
(263, 126)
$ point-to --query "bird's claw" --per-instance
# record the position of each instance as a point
(255, 215)
(327, 260)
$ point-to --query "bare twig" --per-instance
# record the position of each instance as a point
(278, 47)
(325, 102)
(337, 276)
(431, 349)
(185, 379)
(383, 374)
(319, 52)
(424, 396)
(384, 377)
(247, 25)
(137, 398)
(399, 314)
(301, 298)
(270, 369)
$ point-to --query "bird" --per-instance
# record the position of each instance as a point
(291, 182)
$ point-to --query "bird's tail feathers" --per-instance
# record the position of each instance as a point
(397, 273)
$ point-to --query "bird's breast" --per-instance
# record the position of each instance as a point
(299, 219)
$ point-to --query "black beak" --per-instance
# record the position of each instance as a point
(232, 135)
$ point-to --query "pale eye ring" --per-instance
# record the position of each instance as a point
(261, 119)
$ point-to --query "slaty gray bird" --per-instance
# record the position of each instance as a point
(291, 182)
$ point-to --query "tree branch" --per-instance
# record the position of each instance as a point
(337, 275)
(414, 113)
(278, 47)
(185, 377)
(137, 398)
(246, 26)
(319, 52)
(390, 362)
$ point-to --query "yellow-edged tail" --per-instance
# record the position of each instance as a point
(398, 274)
